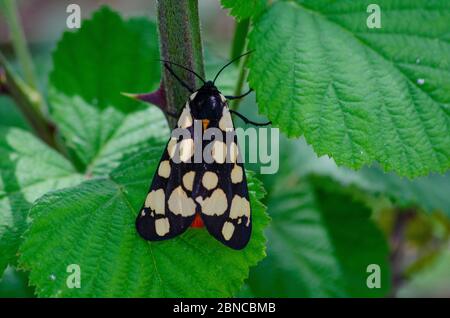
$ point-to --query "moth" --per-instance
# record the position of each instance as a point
(187, 193)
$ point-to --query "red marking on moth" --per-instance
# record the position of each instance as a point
(198, 222)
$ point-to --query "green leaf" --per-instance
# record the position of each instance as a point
(28, 169)
(93, 225)
(100, 138)
(429, 193)
(105, 57)
(244, 9)
(357, 94)
(298, 160)
(321, 243)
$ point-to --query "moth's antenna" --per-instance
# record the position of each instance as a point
(230, 62)
(183, 83)
(185, 68)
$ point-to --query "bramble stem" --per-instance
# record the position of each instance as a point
(240, 38)
(180, 42)
(238, 48)
(27, 100)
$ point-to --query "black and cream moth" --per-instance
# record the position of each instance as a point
(215, 193)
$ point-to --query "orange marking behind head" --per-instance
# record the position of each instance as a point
(205, 123)
(198, 222)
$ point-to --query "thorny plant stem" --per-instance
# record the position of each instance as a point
(180, 42)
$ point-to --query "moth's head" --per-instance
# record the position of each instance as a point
(208, 103)
(209, 87)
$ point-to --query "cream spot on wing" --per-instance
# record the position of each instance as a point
(216, 204)
(193, 95)
(156, 200)
(188, 180)
(225, 122)
(180, 203)
(234, 151)
(143, 212)
(164, 169)
(186, 149)
(171, 147)
(223, 99)
(210, 180)
(236, 174)
(162, 226)
(199, 200)
(185, 119)
(227, 230)
(219, 151)
(240, 207)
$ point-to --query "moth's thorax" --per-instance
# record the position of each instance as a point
(207, 103)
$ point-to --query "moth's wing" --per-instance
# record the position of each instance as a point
(169, 209)
(222, 193)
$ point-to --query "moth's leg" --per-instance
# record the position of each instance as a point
(183, 83)
(248, 121)
(240, 96)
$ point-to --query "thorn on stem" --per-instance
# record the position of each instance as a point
(157, 98)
